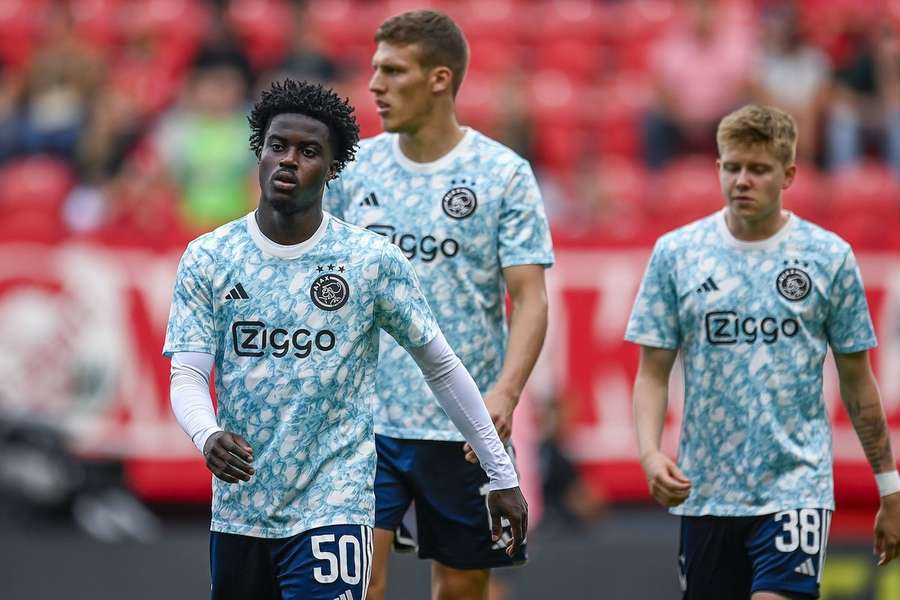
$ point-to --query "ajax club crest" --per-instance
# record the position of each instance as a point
(793, 283)
(329, 291)
(460, 201)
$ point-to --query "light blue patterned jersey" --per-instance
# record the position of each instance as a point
(294, 331)
(753, 321)
(460, 220)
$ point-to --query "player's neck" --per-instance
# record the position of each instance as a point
(754, 230)
(288, 228)
(433, 140)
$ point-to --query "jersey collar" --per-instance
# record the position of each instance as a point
(271, 248)
(766, 244)
(425, 168)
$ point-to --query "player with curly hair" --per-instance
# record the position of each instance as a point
(287, 303)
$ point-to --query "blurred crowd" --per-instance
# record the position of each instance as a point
(128, 117)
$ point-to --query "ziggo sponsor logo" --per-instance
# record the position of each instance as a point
(253, 338)
(725, 327)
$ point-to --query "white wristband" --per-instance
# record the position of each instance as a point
(888, 483)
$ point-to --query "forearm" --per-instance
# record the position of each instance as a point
(190, 398)
(458, 395)
(863, 403)
(527, 329)
(650, 402)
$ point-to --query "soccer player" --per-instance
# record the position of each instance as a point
(751, 297)
(468, 214)
(288, 303)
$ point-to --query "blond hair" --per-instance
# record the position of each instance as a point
(760, 126)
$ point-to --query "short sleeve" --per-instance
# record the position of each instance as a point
(654, 317)
(191, 325)
(335, 200)
(400, 306)
(849, 325)
(524, 233)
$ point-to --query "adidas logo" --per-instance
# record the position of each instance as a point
(806, 568)
(348, 595)
(708, 286)
(237, 293)
(369, 200)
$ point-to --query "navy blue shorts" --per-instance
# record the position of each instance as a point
(733, 557)
(326, 563)
(452, 522)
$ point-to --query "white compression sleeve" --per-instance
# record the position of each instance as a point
(458, 395)
(189, 395)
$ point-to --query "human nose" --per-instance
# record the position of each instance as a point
(290, 157)
(375, 83)
(743, 179)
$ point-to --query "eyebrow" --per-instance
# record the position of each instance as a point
(280, 138)
(749, 164)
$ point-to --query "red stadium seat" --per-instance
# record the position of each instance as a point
(362, 101)
(807, 195)
(617, 106)
(179, 24)
(97, 21)
(347, 29)
(578, 59)
(686, 190)
(502, 21)
(558, 108)
(263, 27)
(21, 22)
(490, 56)
(559, 146)
(151, 86)
(32, 193)
(871, 188)
(555, 98)
(567, 19)
(864, 205)
(479, 102)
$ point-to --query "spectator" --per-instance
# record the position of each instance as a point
(10, 88)
(306, 59)
(701, 70)
(203, 143)
(60, 85)
(865, 107)
(791, 74)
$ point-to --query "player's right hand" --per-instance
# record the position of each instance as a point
(228, 457)
(668, 484)
(509, 504)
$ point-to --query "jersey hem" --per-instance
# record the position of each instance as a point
(168, 351)
(428, 435)
(855, 347)
(746, 512)
(542, 261)
(272, 533)
(652, 342)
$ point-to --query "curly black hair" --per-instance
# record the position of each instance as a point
(312, 100)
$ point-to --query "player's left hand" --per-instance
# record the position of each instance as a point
(509, 504)
(887, 529)
(500, 405)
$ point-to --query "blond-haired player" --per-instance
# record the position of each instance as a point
(751, 297)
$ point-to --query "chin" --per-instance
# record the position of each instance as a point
(389, 127)
(285, 204)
